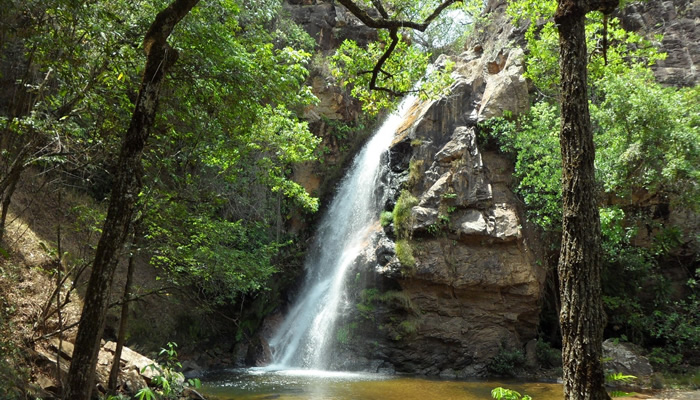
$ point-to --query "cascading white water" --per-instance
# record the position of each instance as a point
(303, 340)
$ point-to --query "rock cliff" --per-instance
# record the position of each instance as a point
(470, 284)
(677, 23)
(474, 286)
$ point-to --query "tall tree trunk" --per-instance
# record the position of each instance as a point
(159, 57)
(582, 317)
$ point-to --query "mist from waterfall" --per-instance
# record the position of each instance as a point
(306, 337)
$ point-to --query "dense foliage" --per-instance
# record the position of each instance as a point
(226, 139)
(217, 187)
(647, 162)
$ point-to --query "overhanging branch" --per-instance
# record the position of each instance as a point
(387, 23)
(393, 26)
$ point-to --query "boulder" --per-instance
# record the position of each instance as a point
(626, 359)
(130, 360)
(471, 222)
(504, 222)
(677, 21)
(259, 353)
(506, 88)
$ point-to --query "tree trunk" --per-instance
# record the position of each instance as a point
(6, 195)
(123, 324)
(159, 57)
(582, 317)
(14, 170)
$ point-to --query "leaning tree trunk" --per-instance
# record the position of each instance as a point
(159, 57)
(582, 317)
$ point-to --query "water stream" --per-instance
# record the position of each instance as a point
(305, 337)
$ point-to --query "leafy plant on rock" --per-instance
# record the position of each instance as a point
(169, 383)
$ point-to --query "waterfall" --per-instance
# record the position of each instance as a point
(305, 338)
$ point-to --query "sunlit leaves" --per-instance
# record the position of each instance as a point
(624, 49)
(352, 65)
(221, 258)
(648, 137)
(534, 140)
(219, 166)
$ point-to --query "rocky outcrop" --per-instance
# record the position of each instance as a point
(136, 370)
(677, 22)
(475, 285)
(329, 25)
(471, 285)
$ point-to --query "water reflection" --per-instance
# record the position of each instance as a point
(259, 384)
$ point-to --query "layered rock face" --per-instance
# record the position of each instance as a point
(329, 25)
(677, 22)
(475, 285)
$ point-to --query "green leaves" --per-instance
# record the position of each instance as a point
(534, 141)
(352, 65)
(500, 393)
(624, 49)
(647, 137)
(221, 258)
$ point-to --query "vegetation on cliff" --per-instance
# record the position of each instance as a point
(646, 167)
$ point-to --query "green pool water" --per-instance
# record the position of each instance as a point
(259, 384)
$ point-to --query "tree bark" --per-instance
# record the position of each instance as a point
(6, 195)
(582, 317)
(159, 57)
(13, 173)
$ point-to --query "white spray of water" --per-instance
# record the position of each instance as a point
(305, 337)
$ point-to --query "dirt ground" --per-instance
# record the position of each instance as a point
(45, 222)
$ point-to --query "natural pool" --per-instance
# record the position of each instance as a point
(259, 384)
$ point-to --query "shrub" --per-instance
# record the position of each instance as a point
(410, 326)
(506, 362)
(500, 393)
(547, 357)
(13, 377)
(404, 252)
(402, 214)
(386, 218)
(342, 335)
(414, 172)
(168, 383)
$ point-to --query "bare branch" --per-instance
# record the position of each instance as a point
(380, 7)
(387, 23)
(393, 34)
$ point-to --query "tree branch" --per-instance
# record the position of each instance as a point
(393, 34)
(380, 7)
(387, 23)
